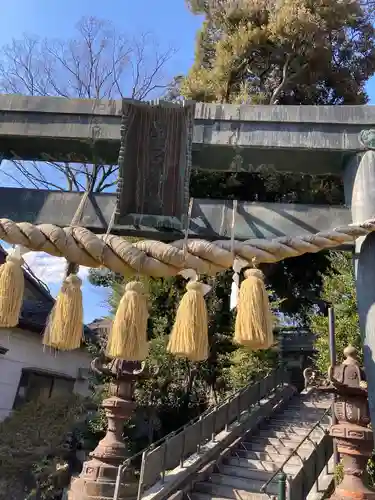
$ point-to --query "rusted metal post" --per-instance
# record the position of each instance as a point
(332, 340)
(333, 359)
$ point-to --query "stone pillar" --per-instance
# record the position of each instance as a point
(359, 184)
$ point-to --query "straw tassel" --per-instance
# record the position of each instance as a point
(254, 319)
(189, 337)
(12, 286)
(128, 336)
(64, 329)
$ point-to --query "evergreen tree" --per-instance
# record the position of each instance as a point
(338, 292)
(282, 52)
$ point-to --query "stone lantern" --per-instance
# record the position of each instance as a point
(98, 477)
(353, 436)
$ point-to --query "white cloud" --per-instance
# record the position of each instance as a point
(50, 269)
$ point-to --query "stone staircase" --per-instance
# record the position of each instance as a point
(258, 457)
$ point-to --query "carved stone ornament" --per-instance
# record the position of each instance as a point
(367, 139)
(353, 436)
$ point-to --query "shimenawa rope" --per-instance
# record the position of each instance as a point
(158, 259)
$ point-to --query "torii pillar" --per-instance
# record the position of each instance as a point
(359, 184)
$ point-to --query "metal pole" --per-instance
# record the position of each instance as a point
(333, 359)
(120, 472)
(282, 486)
(332, 340)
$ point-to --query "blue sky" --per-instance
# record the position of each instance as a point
(168, 20)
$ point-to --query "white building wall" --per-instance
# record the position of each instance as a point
(25, 350)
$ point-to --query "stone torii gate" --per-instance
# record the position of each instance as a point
(305, 139)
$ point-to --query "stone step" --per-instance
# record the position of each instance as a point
(287, 427)
(317, 404)
(294, 463)
(227, 487)
(301, 422)
(249, 496)
(243, 484)
(308, 404)
(259, 457)
(245, 473)
(272, 451)
(259, 443)
(299, 426)
(289, 434)
(287, 442)
(298, 419)
(270, 454)
(308, 414)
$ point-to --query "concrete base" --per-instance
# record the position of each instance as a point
(103, 487)
(355, 492)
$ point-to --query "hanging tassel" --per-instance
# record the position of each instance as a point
(64, 329)
(128, 337)
(254, 320)
(12, 286)
(189, 336)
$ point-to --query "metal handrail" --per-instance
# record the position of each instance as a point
(294, 452)
(210, 409)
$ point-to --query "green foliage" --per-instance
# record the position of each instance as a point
(339, 473)
(33, 451)
(338, 291)
(246, 366)
(282, 52)
(174, 385)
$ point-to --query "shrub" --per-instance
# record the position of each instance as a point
(33, 449)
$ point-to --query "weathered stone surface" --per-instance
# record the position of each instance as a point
(359, 183)
(226, 137)
(211, 219)
(154, 164)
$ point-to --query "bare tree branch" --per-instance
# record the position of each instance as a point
(284, 81)
(98, 63)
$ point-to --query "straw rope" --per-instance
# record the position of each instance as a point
(157, 259)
